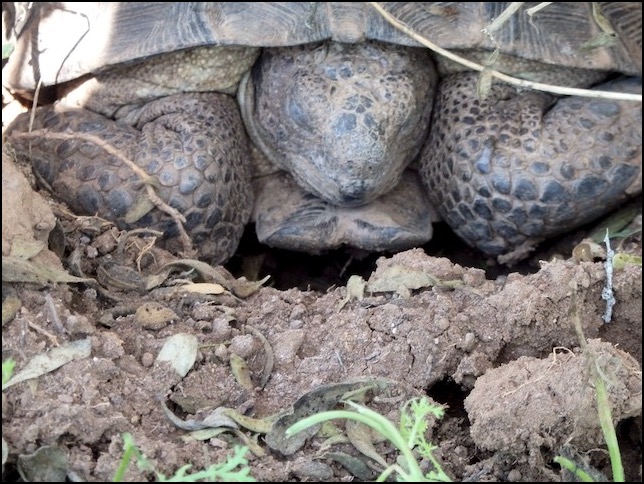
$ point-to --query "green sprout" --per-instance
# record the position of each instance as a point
(409, 436)
(603, 408)
(7, 370)
(234, 469)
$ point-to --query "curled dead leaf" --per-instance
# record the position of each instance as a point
(154, 315)
(240, 371)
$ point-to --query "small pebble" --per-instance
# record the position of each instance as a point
(147, 359)
(514, 475)
(243, 345)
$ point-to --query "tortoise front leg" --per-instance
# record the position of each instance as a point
(191, 148)
(513, 169)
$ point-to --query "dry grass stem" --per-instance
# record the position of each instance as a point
(566, 91)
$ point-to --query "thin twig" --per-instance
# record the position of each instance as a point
(53, 312)
(536, 8)
(607, 292)
(52, 338)
(498, 22)
(135, 233)
(566, 91)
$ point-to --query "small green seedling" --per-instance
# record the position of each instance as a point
(407, 437)
(7, 370)
(569, 465)
(7, 50)
(603, 408)
(234, 469)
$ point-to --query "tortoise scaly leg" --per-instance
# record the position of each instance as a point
(192, 146)
(513, 169)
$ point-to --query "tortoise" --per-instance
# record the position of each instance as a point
(360, 135)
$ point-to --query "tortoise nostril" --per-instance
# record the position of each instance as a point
(353, 193)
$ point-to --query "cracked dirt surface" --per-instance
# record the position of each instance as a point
(503, 355)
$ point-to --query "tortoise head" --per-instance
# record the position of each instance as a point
(344, 119)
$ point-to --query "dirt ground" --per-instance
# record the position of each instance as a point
(498, 349)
